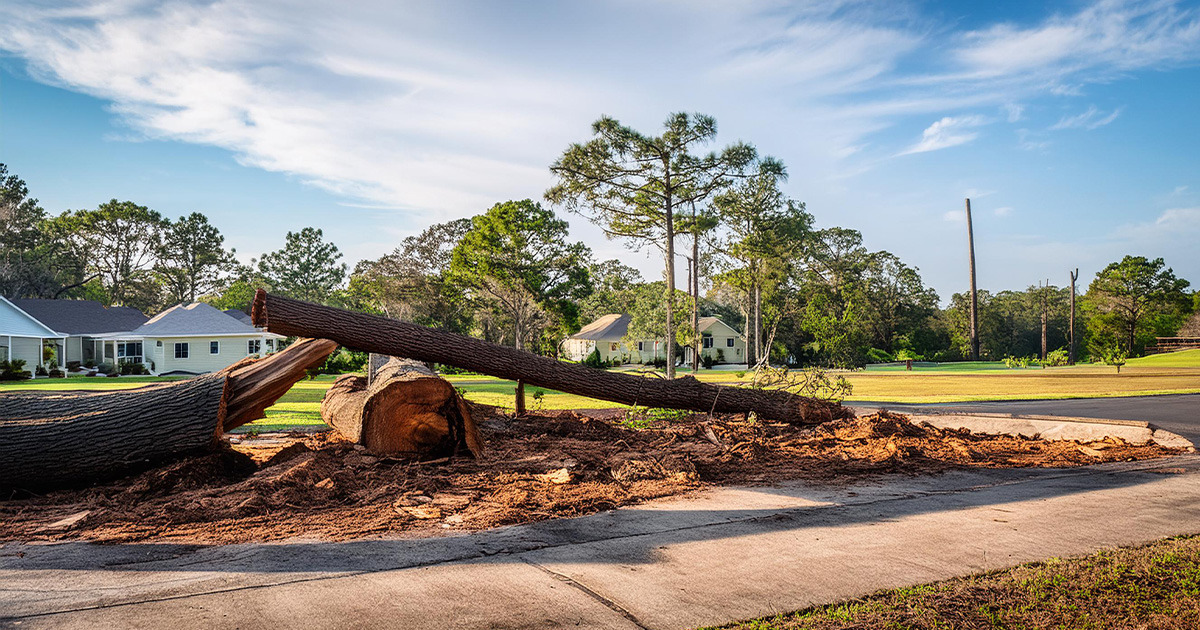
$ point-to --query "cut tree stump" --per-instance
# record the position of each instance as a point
(52, 439)
(372, 333)
(406, 408)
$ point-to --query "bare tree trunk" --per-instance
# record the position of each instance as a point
(1071, 324)
(697, 344)
(974, 333)
(670, 341)
(759, 351)
(377, 334)
(50, 439)
(519, 391)
(406, 408)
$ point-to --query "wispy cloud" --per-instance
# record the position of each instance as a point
(1093, 118)
(947, 132)
(1003, 211)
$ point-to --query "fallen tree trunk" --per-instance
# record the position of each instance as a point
(50, 439)
(386, 336)
(405, 409)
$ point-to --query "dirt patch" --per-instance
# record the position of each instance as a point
(549, 465)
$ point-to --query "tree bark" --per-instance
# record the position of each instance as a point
(407, 408)
(670, 271)
(378, 334)
(50, 439)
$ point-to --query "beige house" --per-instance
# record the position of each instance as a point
(720, 341)
(607, 335)
(190, 339)
(185, 339)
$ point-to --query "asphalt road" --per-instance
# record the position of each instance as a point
(1179, 413)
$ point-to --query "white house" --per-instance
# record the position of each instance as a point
(607, 335)
(79, 323)
(23, 337)
(188, 339)
(191, 339)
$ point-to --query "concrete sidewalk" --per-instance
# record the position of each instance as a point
(726, 554)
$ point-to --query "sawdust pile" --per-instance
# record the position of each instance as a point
(549, 465)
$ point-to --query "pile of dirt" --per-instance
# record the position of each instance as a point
(547, 465)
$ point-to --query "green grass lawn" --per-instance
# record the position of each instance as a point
(1152, 586)
(1181, 359)
(970, 381)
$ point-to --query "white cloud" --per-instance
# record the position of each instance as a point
(1013, 111)
(1090, 119)
(947, 132)
(1003, 211)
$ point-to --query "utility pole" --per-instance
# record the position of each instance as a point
(1045, 317)
(974, 291)
(1071, 324)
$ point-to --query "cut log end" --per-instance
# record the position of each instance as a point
(407, 409)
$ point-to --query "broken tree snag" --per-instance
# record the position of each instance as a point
(255, 385)
(54, 439)
(386, 336)
(407, 408)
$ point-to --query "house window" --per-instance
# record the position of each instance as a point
(729, 342)
(641, 346)
(612, 346)
(254, 346)
(129, 352)
(270, 345)
(214, 347)
(708, 341)
(181, 350)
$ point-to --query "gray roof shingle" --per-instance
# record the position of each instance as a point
(609, 327)
(196, 318)
(81, 317)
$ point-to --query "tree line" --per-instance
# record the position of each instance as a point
(512, 275)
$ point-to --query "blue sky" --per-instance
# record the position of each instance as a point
(1070, 125)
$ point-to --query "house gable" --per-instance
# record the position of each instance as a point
(16, 322)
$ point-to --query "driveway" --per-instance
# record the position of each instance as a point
(1177, 413)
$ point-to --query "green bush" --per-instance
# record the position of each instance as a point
(89, 364)
(40, 371)
(344, 361)
(707, 361)
(593, 360)
(14, 370)
(106, 368)
(720, 355)
(875, 355)
(1055, 358)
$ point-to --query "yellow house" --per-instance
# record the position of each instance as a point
(607, 335)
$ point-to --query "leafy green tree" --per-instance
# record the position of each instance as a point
(613, 284)
(191, 257)
(33, 262)
(411, 284)
(633, 185)
(648, 316)
(307, 267)
(768, 237)
(120, 240)
(1133, 294)
(516, 261)
(897, 301)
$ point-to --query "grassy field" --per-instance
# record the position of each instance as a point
(1153, 586)
(1159, 374)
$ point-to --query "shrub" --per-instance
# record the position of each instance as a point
(740, 374)
(1016, 362)
(658, 362)
(904, 354)
(13, 370)
(720, 355)
(89, 364)
(875, 355)
(707, 361)
(1055, 358)
(73, 366)
(344, 361)
(593, 360)
(40, 371)
(106, 368)
(56, 373)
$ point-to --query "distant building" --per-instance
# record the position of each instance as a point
(607, 335)
(185, 339)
